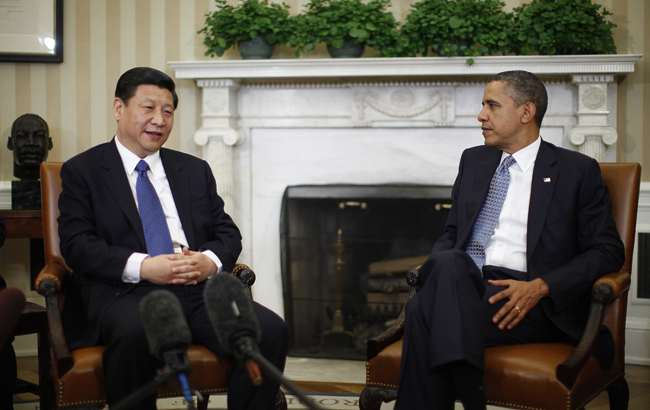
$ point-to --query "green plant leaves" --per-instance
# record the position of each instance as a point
(251, 18)
(455, 22)
(446, 27)
(368, 23)
(563, 27)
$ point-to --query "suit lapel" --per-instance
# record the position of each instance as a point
(484, 172)
(179, 185)
(544, 180)
(118, 184)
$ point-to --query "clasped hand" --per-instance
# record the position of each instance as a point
(523, 296)
(188, 268)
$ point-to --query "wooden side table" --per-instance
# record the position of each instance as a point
(27, 224)
(23, 224)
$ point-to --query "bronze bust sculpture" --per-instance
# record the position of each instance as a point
(30, 141)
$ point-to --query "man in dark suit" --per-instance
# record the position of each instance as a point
(106, 242)
(516, 272)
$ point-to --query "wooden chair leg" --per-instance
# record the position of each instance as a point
(46, 388)
(619, 394)
(280, 401)
(202, 402)
(371, 397)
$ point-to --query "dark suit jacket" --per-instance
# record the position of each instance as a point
(572, 237)
(100, 227)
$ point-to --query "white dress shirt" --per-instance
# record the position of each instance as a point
(158, 179)
(507, 246)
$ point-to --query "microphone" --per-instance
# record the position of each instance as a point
(164, 324)
(168, 334)
(231, 312)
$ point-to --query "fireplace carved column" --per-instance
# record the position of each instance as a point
(219, 133)
(593, 133)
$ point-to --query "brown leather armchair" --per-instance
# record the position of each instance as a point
(77, 375)
(541, 376)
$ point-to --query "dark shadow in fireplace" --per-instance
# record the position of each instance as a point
(368, 235)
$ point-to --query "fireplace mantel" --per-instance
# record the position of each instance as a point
(270, 124)
(408, 67)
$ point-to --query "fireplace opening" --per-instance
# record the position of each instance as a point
(345, 253)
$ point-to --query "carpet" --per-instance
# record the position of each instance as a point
(333, 401)
(328, 401)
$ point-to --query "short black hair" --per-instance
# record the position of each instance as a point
(129, 82)
(524, 87)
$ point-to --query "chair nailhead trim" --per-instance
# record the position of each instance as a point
(80, 403)
(383, 385)
(103, 402)
(516, 406)
(372, 384)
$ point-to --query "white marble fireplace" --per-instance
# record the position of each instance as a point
(275, 123)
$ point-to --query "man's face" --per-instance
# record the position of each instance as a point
(501, 120)
(30, 142)
(144, 124)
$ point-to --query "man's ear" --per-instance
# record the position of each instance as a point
(529, 112)
(10, 144)
(118, 107)
(49, 144)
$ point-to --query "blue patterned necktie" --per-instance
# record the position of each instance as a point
(156, 231)
(487, 219)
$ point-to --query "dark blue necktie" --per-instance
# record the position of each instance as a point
(487, 219)
(156, 231)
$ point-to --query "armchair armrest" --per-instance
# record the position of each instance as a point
(606, 290)
(396, 330)
(246, 275)
(49, 284)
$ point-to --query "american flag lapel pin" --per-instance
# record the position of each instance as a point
(547, 179)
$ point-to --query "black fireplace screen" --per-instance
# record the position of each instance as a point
(345, 252)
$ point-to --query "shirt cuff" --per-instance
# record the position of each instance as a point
(215, 259)
(131, 272)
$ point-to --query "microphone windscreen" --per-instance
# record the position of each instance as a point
(12, 302)
(164, 324)
(230, 309)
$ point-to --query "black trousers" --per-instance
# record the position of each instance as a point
(128, 364)
(449, 320)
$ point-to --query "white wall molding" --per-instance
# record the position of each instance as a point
(404, 67)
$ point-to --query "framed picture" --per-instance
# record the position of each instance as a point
(31, 31)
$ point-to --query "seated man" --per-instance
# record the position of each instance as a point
(136, 217)
(529, 232)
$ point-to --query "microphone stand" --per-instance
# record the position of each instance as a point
(248, 350)
(177, 365)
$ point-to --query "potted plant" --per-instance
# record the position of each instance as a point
(257, 23)
(455, 27)
(345, 26)
(563, 27)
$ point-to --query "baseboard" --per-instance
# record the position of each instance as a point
(26, 352)
(637, 340)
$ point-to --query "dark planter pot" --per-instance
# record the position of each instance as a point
(349, 49)
(255, 49)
